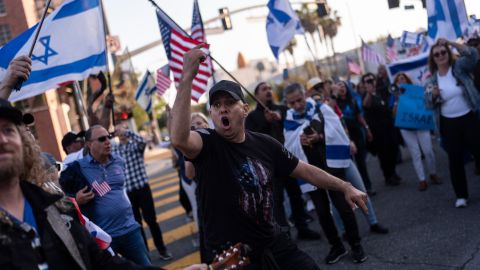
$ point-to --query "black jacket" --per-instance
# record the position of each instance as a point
(16, 251)
(257, 122)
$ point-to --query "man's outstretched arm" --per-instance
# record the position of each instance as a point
(322, 179)
(189, 142)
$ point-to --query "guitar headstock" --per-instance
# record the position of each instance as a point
(234, 258)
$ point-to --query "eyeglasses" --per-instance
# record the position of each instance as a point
(103, 138)
(437, 54)
(370, 81)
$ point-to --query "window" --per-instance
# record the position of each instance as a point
(5, 34)
(3, 11)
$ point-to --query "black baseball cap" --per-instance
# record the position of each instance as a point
(9, 112)
(232, 88)
(70, 138)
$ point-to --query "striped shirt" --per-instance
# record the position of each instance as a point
(133, 154)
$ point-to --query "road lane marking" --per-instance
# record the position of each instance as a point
(171, 236)
(183, 262)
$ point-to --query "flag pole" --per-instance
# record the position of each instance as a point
(109, 80)
(213, 59)
(18, 86)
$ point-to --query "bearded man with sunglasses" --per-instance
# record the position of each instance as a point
(103, 174)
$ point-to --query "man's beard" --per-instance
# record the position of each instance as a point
(12, 168)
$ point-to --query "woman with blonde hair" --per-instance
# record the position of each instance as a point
(452, 93)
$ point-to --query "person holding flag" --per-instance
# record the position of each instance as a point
(18, 69)
(451, 92)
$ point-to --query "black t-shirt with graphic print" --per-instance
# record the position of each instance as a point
(235, 187)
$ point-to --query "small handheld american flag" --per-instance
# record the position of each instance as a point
(163, 80)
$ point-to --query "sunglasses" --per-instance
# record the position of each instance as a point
(103, 138)
(370, 81)
(437, 54)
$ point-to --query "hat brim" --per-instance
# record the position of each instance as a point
(232, 94)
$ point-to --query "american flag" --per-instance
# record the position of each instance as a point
(370, 55)
(353, 67)
(176, 44)
(163, 80)
(391, 49)
(198, 32)
(102, 188)
(197, 24)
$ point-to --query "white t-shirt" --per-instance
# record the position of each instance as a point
(454, 103)
(72, 157)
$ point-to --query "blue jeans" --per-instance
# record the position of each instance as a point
(132, 247)
(353, 176)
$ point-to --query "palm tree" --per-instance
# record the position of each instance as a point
(290, 48)
(330, 27)
(309, 21)
(260, 67)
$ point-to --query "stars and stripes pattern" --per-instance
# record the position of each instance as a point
(370, 55)
(197, 24)
(176, 44)
(198, 32)
(163, 80)
(102, 188)
(391, 49)
(353, 67)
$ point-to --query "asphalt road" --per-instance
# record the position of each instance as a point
(426, 230)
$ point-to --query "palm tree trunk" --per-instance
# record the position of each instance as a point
(286, 59)
(335, 71)
(325, 42)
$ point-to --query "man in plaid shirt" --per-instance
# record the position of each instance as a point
(132, 148)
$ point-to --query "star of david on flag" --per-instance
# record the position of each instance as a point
(70, 46)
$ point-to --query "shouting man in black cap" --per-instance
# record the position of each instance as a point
(235, 168)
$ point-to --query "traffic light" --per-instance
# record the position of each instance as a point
(226, 21)
(393, 4)
(123, 115)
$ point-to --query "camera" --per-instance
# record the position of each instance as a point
(394, 89)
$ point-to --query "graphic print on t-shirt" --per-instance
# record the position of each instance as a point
(256, 192)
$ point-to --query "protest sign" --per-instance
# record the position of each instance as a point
(411, 111)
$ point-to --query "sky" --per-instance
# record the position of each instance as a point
(135, 22)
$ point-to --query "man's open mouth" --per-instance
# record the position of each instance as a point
(225, 121)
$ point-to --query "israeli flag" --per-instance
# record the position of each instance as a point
(415, 67)
(446, 19)
(70, 46)
(145, 91)
(411, 38)
(282, 25)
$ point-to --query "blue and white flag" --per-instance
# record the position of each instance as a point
(411, 38)
(282, 25)
(446, 19)
(337, 143)
(70, 46)
(145, 91)
(415, 67)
